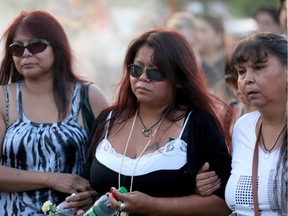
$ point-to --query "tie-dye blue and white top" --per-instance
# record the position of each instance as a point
(46, 147)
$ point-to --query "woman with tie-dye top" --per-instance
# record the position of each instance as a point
(43, 142)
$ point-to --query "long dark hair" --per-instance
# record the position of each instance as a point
(256, 48)
(175, 59)
(42, 25)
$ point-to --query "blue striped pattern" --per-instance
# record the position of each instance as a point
(47, 147)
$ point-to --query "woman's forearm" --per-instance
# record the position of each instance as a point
(16, 180)
(191, 205)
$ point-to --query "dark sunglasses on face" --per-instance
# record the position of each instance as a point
(34, 47)
(152, 74)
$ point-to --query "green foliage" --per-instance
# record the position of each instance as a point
(246, 8)
(238, 8)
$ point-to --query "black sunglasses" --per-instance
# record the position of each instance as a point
(152, 74)
(34, 47)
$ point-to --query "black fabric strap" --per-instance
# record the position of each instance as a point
(86, 110)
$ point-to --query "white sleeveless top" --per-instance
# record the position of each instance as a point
(171, 156)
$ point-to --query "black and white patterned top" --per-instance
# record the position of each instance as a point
(46, 147)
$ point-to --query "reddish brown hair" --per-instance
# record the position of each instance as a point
(175, 59)
(42, 25)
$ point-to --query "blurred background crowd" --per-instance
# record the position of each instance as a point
(100, 31)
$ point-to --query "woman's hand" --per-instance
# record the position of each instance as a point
(82, 200)
(80, 212)
(134, 202)
(206, 182)
(67, 183)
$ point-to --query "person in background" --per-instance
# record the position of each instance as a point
(258, 183)
(43, 141)
(267, 19)
(186, 24)
(240, 105)
(282, 16)
(210, 40)
(159, 132)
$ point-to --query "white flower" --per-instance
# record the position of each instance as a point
(50, 209)
(47, 206)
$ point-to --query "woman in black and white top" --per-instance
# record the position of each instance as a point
(42, 139)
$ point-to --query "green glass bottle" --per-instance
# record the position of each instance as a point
(100, 206)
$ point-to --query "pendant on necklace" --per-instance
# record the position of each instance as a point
(267, 154)
(146, 132)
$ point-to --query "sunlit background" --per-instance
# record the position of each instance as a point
(100, 30)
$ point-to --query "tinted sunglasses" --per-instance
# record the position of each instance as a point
(152, 74)
(34, 47)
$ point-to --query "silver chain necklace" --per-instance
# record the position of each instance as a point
(147, 131)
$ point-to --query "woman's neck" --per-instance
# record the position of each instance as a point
(37, 87)
(146, 111)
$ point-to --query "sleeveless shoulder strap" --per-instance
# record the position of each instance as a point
(108, 126)
(75, 107)
(86, 110)
(184, 125)
(19, 99)
(7, 105)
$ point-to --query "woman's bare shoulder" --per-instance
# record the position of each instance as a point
(97, 99)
